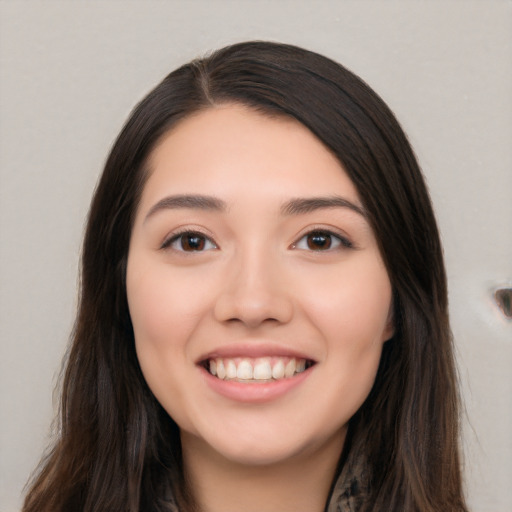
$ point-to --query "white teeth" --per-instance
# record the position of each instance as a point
(262, 370)
(221, 371)
(278, 370)
(289, 369)
(231, 372)
(244, 370)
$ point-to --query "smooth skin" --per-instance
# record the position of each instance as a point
(250, 238)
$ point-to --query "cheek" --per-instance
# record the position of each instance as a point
(163, 306)
(164, 315)
(352, 314)
(149, 303)
(353, 305)
(154, 310)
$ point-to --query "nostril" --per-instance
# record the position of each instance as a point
(253, 307)
(503, 297)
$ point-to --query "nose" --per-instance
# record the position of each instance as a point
(254, 292)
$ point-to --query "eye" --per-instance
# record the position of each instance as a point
(189, 241)
(321, 240)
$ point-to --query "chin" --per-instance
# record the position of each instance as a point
(262, 455)
(267, 448)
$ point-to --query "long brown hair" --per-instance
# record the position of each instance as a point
(116, 448)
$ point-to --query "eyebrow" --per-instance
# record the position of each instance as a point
(196, 202)
(306, 205)
(295, 206)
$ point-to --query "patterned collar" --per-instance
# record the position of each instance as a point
(351, 487)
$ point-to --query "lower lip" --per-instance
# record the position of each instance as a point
(253, 392)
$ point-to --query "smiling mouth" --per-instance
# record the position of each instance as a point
(256, 370)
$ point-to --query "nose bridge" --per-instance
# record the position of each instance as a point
(254, 290)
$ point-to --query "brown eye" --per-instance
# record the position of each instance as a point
(189, 241)
(192, 242)
(319, 241)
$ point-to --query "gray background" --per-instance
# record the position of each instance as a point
(69, 74)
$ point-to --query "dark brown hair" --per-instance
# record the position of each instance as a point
(116, 448)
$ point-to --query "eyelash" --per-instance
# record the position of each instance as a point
(180, 236)
(340, 241)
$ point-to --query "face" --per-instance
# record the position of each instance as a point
(259, 300)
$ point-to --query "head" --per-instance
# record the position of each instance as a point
(415, 374)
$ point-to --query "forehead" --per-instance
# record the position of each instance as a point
(233, 151)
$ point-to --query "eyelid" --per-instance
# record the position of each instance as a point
(192, 230)
(344, 241)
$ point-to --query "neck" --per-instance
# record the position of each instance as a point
(298, 484)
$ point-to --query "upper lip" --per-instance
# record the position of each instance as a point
(253, 350)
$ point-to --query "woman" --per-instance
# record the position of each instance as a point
(263, 318)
